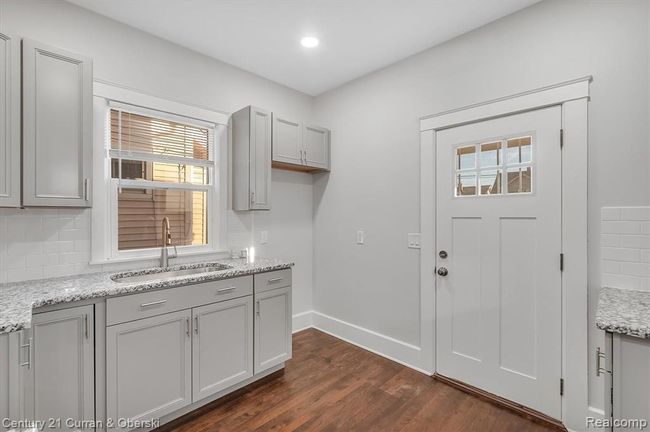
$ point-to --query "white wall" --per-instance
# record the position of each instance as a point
(374, 184)
(41, 243)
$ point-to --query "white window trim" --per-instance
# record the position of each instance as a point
(104, 219)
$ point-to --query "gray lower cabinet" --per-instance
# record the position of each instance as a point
(222, 346)
(9, 121)
(272, 327)
(60, 365)
(148, 368)
(630, 380)
(57, 126)
(14, 364)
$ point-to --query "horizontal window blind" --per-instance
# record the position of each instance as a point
(135, 133)
(162, 169)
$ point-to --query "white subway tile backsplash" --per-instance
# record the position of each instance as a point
(635, 213)
(610, 213)
(625, 247)
(621, 254)
(620, 227)
(37, 243)
(610, 240)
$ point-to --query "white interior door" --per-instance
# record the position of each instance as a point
(498, 234)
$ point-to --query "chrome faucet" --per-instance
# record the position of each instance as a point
(166, 242)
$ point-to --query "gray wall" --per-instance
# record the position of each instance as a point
(131, 58)
(374, 184)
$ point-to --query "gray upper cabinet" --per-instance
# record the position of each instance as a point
(300, 147)
(251, 149)
(57, 127)
(287, 140)
(9, 121)
(316, 142)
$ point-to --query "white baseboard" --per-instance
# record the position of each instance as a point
(377, 343)
(302, 321)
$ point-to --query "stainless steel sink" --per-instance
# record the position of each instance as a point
(167, 273)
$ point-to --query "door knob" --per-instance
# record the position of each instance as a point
(442, 271)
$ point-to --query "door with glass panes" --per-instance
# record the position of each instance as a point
(498, 227)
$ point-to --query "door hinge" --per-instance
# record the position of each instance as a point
(561, 386)
(561, 138)
(561, 262)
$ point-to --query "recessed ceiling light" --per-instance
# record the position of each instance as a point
(309, 42)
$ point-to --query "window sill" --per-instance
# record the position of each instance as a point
(157, 256)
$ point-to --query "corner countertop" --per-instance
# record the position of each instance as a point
(17, 300)
(624, 311)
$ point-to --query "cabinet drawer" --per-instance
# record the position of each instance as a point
(272, 280)
(137, 306)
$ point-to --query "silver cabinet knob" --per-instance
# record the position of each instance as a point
(442, 271)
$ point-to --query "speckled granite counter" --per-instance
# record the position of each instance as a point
(18, 299)
(624, 311)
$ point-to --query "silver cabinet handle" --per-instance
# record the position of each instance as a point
(599, 369)
(257, 304)
(156, 303)
(86, 325)
(196, 324)
(224, 290)
(187, 328)
(274, 280)
(252, 197)
(86, 191)
(28, 345)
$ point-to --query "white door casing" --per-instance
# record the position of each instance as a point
(573, 97)
(499, 307)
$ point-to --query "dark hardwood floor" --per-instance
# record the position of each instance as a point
(332, 385)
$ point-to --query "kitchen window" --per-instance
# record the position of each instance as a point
(158, 164)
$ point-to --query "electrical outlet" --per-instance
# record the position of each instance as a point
(414, 240)
(264, 237)
(360, 239)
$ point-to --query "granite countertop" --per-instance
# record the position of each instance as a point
(624, 311)
(17, 300)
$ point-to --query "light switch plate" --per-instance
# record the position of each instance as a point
(360, 239)
(414, 240)
(264, 237)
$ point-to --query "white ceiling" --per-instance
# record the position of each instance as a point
(262, 36)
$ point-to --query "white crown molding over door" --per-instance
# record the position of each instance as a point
(573, 97)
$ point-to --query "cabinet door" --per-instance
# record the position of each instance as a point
(631, 378)
(260, 159)
(57, 127)
(63, 367)
(287, 140)
(9, 121)
(15, 372)
(272, 328)
(222, 346)
(148, 367)
(316, 142)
